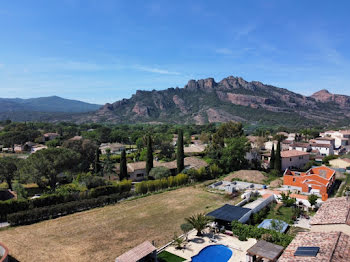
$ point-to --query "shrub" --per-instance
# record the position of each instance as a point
(159, 172)
(141, 188)
(247, 231)
(104, 190)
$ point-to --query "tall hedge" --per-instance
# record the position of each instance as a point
(44, 213)
(13, 206)
(158, 184)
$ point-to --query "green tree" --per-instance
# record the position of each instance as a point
(160, 172)
(87, 151)
(45, 165)
(149, 156)
(108, 164)
(97, 163)
(233, 155)
(312, 199)
(186, 227)
(20, 190)
(180, 155)
(227, 130)
(199, 222)
(8, 170)
(123, 166)
(278, 158)
(273, 156)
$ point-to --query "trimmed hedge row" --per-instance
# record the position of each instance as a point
(158, 184)
(13, 206)
(244, 231)
(44, 213)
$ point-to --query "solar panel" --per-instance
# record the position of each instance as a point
(307, 251)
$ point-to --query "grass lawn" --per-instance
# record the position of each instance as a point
(168, 257)
(102, 234)
(282, 213)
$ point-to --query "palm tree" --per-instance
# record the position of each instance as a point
(199, 222)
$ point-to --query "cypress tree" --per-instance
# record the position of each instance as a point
(278, 158)
(149, 156)
(97, 164)
(180, 155)
(272, 159)
(123, 168)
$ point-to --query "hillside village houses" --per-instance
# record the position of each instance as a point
(137, 170)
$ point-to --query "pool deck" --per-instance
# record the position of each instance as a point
(196, 244)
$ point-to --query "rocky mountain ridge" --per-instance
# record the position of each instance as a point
(232, 98)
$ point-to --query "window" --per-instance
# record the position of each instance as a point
(293, 179)
(290, 159)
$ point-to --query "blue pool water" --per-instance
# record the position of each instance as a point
(215, 253)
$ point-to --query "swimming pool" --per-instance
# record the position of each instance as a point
(214, 253)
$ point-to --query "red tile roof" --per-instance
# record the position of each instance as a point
(333, 211)
(334, 247)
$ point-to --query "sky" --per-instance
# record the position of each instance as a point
(101, 51)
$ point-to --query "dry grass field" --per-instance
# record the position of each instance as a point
(104, 233)
(252, 176)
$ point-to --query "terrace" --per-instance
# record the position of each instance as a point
(196, 244)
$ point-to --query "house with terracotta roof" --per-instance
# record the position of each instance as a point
(137, 170)
(294, 159)
(333, 215)
(317, 180)
(318, 246)
(290, 159)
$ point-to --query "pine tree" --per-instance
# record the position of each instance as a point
(123, 168)
(180, 152)
(278, 158)
(272, 159)
(149, 156)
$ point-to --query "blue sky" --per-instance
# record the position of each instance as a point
(102, 50)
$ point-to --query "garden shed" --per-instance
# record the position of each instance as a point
(264, 250)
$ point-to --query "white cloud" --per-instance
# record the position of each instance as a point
(155, 70)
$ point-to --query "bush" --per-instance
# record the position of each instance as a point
(12, 206)
(159, 172)
(247, 231)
